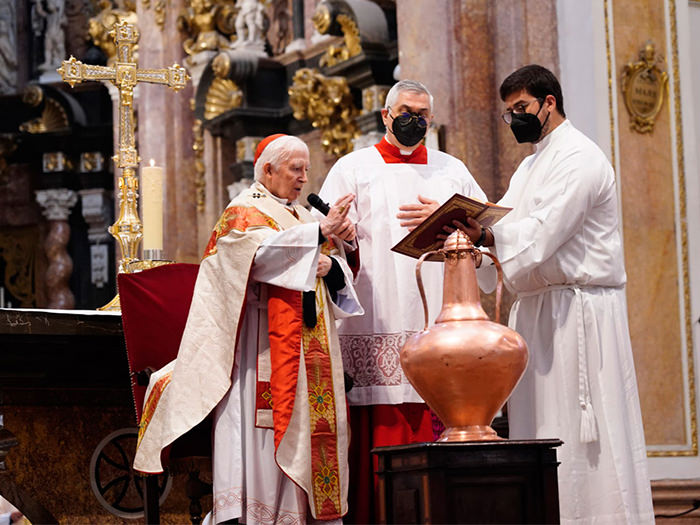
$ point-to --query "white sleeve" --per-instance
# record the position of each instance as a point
(289, 258)
(560, 208)
(346, 304)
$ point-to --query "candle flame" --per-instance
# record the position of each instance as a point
(152, 163)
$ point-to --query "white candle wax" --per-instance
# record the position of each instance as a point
(152, 207)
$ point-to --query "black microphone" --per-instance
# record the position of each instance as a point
(317, 203)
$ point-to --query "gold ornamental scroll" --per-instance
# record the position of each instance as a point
(644, 86)
(125, 75)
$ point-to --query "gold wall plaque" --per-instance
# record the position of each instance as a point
(644, 87)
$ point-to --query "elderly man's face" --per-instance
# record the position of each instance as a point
(288, 178)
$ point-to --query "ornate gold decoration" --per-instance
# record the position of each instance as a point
(221, 65)
(55, 161)
(32, 95)
(141, 265)
(160, 12)
(7, 148)
(125, 75)
(351, 43)
(373, 98)
(18, 248)
(223, 95)
(203, 21)
(643, 87)
(91, 161)
(322, 18)
(328, 104)
(53, 118)
(610, 85)
(199, 168)
(100, 27)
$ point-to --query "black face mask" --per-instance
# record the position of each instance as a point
(527, 127)
(409, 128)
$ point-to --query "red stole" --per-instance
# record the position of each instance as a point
(289, 338)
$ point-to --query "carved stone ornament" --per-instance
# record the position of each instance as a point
(644, 86)
(57, 203)
(328, 104)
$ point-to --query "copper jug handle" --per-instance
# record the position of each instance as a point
(419, 279)
(499, 285)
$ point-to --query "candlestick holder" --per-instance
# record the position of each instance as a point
(140, 265)
(152, 255)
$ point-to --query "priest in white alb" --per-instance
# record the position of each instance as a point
(562, 256)
(260, 350)
(397, 183)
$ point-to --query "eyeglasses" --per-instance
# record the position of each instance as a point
(406, 117)
(519, 108)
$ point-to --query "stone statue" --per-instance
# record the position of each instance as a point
(51, 17)
(8, 55)
(250, 23)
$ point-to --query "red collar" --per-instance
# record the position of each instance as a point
(392, 155)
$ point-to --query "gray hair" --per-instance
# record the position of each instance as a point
(277, 152)
(406, 85)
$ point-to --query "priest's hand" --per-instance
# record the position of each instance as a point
(411, 215)
(336, 222)
(324, 265)
(479, 235)
(347, 232)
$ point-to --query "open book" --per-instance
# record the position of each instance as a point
(458, 207)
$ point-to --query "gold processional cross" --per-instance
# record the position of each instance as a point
(125, 75)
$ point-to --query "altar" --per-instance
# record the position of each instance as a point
(64, 389)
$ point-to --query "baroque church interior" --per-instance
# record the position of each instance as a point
(209, 79)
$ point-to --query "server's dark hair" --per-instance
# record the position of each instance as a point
(536, 80)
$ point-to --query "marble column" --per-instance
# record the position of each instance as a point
(56, 204)
(463, 64)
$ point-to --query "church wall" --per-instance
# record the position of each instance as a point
(657, 184)
(646, 168)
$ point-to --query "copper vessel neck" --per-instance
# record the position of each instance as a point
(460, 295)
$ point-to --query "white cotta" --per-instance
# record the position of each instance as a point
(386, 283)
(562, 254)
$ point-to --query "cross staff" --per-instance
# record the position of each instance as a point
(125, 75)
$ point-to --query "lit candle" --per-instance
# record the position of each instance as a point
(152, 209)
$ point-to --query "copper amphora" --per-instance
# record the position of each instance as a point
(464, 366)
